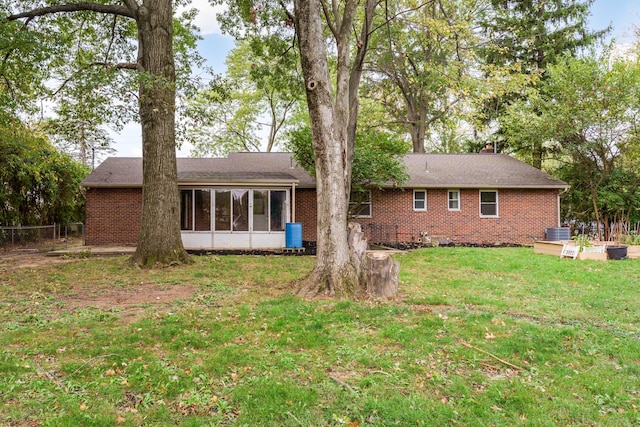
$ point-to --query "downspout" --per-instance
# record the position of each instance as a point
(559, 195)
(293, 202)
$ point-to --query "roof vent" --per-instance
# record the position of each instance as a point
(426, 166)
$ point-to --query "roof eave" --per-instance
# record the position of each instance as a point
(473, 186)
(252, 182)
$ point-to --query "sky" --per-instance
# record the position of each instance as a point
(214, 46)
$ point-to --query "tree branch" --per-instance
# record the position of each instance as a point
(111, 39)
(117, 66)
(132, 5)
(289, 14)
(74, 7)
(328, 19)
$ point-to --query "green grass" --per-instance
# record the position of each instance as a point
(477, 337)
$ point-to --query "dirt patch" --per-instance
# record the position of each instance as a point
(130, 301)
(143, 294)
(30, 259)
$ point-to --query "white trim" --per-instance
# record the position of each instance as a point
(497, 215)
(421, 190)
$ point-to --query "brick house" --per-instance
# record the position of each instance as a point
(245, 200)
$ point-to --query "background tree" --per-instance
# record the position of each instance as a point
(526, 37)
(251, 107)
(377, 159)
(587, 113)
(39, 185)
(101, 35)
(419, 64)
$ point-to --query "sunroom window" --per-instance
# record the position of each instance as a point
(232, 210)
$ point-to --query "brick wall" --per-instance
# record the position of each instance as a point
(523, 217)
(306, 213)
(113, 216)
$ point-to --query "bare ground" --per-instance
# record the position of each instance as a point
(130, 302)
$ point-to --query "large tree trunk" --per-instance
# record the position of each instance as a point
(159, 242)
(336, 272)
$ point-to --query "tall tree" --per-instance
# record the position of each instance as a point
(256, 99)
(420, 63)
(587, 113)
(324, 33)
(159, 240)
(333, 114)
(527, 36)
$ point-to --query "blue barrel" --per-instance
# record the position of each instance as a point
(293, 235)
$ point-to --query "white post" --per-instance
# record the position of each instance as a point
(293, 202)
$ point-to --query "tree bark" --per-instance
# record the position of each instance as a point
(335, 273)
(160, 241)
(381, 275)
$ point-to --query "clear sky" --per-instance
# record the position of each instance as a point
(623, 15)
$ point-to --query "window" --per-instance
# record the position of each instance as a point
(240, 210)
(195, 210)
(488, 203)
(223, 210)
(232, 210)
(278, 209)
(186, 209)
(260, 210)
(454, 200)
(360, 204)
(419, 200)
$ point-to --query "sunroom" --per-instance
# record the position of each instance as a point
(243, 214)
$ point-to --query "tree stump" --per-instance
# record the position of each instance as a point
(357, 243)
(380, 273)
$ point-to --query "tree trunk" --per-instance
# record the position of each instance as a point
(159, 242)
(336, 272)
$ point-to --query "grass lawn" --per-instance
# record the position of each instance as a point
(477, 337)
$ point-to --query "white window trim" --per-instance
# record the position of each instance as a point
(370, 203)
(480, 203)
(449, 199)
(414, 200)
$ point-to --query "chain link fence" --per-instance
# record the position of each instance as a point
(41, 237)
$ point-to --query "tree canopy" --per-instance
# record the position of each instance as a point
(526, 37)
(586, 113)
(39, 185)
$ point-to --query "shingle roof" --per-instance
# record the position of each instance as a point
(475, 171)
(425, 170)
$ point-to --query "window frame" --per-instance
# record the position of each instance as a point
(449, 200)
(496, 203)
(221, 216)
(368, 203)
(420, 190)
